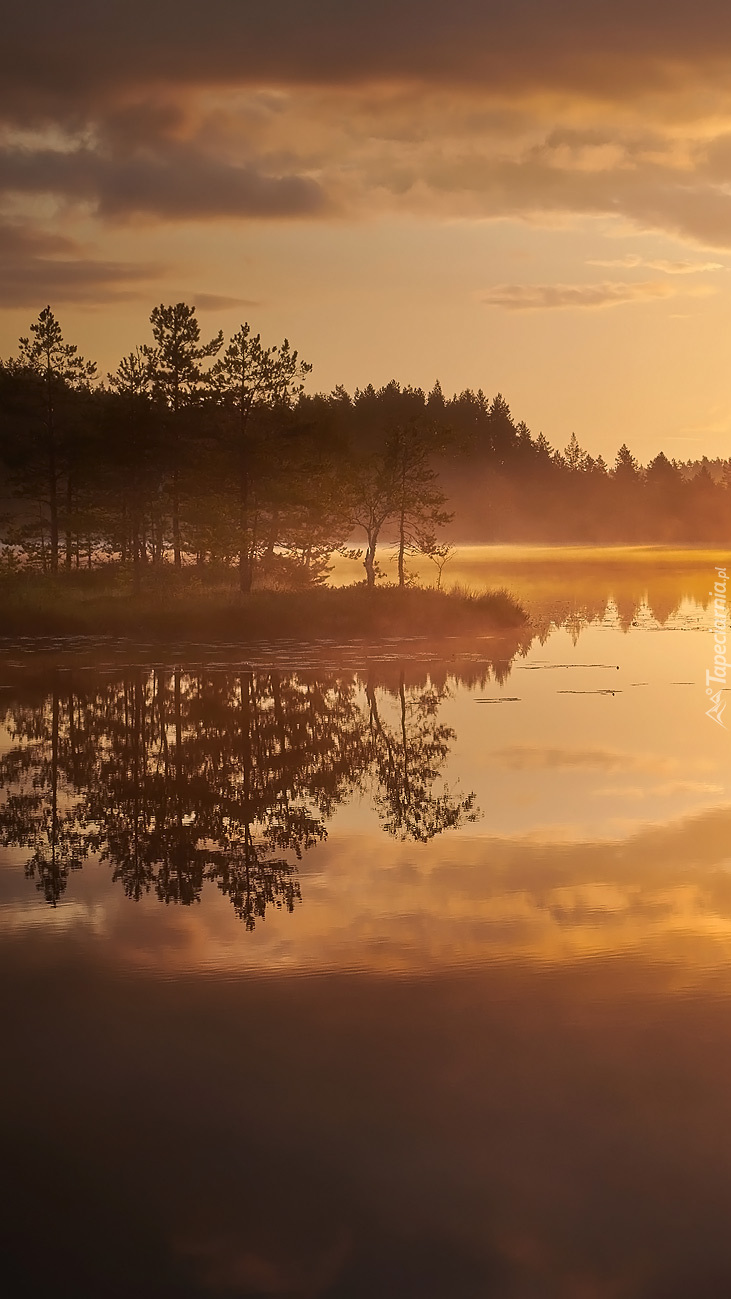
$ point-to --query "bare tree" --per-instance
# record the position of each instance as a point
(439, 555)
(419, 502)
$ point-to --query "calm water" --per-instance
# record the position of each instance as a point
(390, 972)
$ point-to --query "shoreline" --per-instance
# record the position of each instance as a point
(197, 612)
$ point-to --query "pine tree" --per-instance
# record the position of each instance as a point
(248, 376)
(177, 376)
(60, 368)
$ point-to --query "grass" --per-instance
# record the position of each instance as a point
(187, 607)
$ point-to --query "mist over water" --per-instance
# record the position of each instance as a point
(397, 969)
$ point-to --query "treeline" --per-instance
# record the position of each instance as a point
(203, 452)
(530, 493)
(211, 453)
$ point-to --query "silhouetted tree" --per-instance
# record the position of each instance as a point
(53, 369)
(418, 500)
(229, 462)
(371, 502)
(176, 375)
(136, 453)
(247, 377)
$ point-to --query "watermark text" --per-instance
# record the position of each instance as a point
(716, 680)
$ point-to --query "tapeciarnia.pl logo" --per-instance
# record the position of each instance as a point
(718, 676)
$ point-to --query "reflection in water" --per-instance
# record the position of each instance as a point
(179, 777)
(575, 586)
(491, 1063)
(574, 595)
(407, 761)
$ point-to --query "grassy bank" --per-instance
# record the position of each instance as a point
(189, 608)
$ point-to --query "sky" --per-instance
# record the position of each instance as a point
(527, 196)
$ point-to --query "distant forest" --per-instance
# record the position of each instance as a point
(210, 452)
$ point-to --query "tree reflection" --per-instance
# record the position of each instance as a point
(177, 778)
(36, 814)
(407, 758)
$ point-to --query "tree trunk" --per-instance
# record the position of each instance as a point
(401, 548)
(177, 556)
(402, 527)
(52, 473)
(271, 541)
(179, 854)
(245, 559)
(369, 563)
(136, 550)
(54, 520)
(69, 531)
(176, 521)
(44, 565)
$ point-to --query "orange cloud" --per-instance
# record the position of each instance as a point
(35, 265)
(534, 297)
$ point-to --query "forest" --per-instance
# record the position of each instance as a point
(211, 453)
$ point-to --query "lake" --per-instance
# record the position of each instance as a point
(389, 970)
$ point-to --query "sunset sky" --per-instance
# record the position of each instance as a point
(528, 196)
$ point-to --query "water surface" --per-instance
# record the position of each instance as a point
(389, 970)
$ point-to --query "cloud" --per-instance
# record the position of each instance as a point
(529, 757)
(534, 297)
(670, 789)
(536, 182)
(220, 302)
(609, 47)
(36, 267)
(632, 260)
(682, 268)
(177, 183)
(537, 110)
